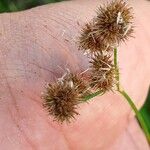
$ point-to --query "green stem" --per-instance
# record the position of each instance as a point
(90, 96)
(116, 68)
(130, 101)
(138, 114)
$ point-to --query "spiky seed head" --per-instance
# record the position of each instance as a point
(89, 42)
(103, 80)
(113, 23)
(102, 73)
(61, 98)
(79, 83)
(101, 61)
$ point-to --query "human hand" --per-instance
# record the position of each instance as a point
(36, 47)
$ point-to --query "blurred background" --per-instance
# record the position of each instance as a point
(18, 5)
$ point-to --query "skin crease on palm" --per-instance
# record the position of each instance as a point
(35, 48)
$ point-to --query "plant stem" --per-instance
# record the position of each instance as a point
(116, 68)
(90, 96)
(129, 100)
(138, 114)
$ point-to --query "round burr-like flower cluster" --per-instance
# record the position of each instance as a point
(61, 99)
(89, 42)
(103, 72)
(113, 22)
(112, 25)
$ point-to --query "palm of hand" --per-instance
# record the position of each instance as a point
(38, 45)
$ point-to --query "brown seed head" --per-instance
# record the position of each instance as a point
(103, 73)
(114, 22)
(101, 62)
(89, 42)
(79, 83)
(61, 99)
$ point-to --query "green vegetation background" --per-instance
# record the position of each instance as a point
(18, 5)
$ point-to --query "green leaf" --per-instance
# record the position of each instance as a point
(145, 111)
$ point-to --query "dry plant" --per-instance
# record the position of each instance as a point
(99, 38)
